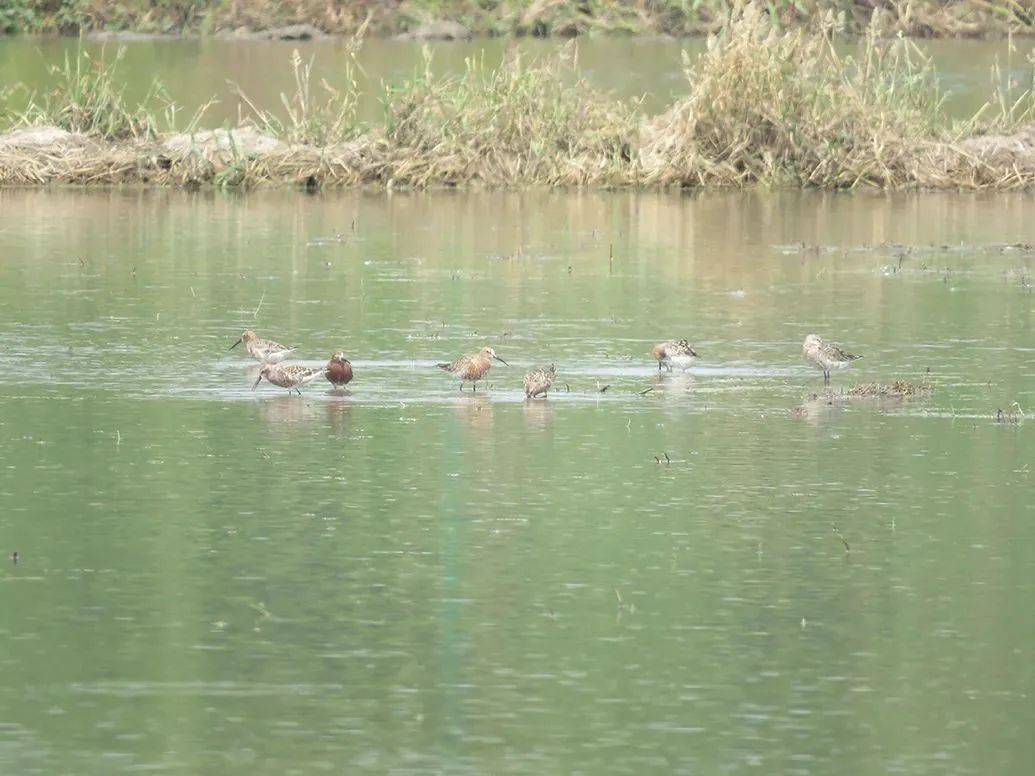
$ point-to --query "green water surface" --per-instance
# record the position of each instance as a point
(409, 579)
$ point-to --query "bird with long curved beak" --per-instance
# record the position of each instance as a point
(266, 351)
(471, 369)
(292, 377)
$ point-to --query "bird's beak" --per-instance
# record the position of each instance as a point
(257, 383)
(235, 344)
(501, 360)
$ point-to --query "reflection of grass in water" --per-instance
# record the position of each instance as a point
(765, 106)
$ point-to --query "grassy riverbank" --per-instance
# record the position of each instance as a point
(951, 18)
(764, 107)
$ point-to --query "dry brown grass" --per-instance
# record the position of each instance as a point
(513, 125)
(786, 108)
(899, 389)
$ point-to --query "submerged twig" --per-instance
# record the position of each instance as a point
(258, 307)
(841, 537)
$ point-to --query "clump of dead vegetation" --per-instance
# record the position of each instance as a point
(519, 123)
(898, 389)
(765, 106)
(774, 107)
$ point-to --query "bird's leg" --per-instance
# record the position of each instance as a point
(474, 386)
(826, 377)
(461, 387)
(659, 364)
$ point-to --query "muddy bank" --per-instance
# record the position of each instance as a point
(245, 157)
(457, 19)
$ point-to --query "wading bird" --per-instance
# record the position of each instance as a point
(471, 369)
(338, 371)
(826, 356)
(266, 351)
(291, 377)
(674, 353)
(538, 381)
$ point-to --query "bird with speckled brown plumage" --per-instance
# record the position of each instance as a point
(266, 351)
(538, 381)
(826, 356)
(674, 353)
(292, 377)
(471, 369)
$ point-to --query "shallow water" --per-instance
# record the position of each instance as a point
(219, 581)
(197, 70)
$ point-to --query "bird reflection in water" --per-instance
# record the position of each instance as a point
(285, 410)
(817, 408)
(674, 384)
(475, 410)
(537, 414)
(339, 414)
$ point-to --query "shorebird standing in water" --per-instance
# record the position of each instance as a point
(291, 377)
(538, 381)
(338, 371)
(674, 353)
(826, 356)
(266, 351)
(471, 369)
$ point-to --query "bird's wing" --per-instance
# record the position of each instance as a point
(273, 347)
(841, 355)
(456, 366)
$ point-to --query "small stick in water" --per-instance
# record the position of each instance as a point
(842, 538)
(259, 306)
(610, 258)
(645, 391)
